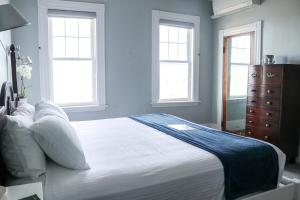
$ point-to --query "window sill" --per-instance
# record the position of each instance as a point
(175, 104)
(87, 108)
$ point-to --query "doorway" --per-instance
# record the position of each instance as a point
(238, 55)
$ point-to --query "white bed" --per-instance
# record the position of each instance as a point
(131, 161)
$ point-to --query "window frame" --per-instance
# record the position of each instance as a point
(46, 80)
(194, 79)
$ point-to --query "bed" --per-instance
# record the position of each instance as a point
(132, 161)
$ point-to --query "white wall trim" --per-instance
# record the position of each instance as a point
(156, 16)
(253, 27)
(45, 71)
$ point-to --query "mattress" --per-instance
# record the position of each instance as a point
(131, 161)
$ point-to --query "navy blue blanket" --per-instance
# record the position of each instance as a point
(249, 165)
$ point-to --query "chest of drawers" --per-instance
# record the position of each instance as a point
(273, 106)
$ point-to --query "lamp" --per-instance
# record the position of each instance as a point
(11, 18)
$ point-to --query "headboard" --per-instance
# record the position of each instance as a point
(6, 99)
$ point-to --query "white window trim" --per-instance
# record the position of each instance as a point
(254, 27)
(45, 80)
(156, 16)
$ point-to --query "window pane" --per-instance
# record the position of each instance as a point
(183, 35)
(173, 34)
(164, 51)
(72, 47)
(71, 27)
(85, 47)
(240, 50)
(85, 27)
(183, 52)
(58, 47)
(58, 27)
(72, 82)
(174, 80)
(164, 33)
(173, 51)
(238, 80)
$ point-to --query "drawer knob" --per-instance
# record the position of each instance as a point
(253, 101)
(270, 75)
(267, 137)
(269, 103)
(254, 75)
(268, 114)
(253, 90)
(269, 91)
(249, 133)
(251, 111)
(268, 125)
(250, 122)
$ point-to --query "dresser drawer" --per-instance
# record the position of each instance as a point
(268, 136)
(262, 123)
(264, 103)
(255, 75)
(272, 75)
(264, 91)
(263, 113)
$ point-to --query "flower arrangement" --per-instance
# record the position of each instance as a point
(24, 69)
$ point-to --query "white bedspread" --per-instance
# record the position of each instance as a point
(131, 161)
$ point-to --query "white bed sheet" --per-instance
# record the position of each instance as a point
(131, 161)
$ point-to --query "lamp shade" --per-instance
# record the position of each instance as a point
(11, 18)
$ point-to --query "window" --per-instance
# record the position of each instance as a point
(74, 47)
(175, 58)
(239, 61)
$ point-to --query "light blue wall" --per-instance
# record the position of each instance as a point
(128, 56)
(281, 30)
(5, 38)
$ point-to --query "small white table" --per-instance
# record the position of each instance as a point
(21, 191)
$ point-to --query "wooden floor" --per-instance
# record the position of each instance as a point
(292, 171)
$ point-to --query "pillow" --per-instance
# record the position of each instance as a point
(21, 154)
(24, 109)
(44, 108)
(60, 142)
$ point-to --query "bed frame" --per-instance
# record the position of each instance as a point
(289, 189)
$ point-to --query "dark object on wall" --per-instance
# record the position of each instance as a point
(273, 106)
(14, 68)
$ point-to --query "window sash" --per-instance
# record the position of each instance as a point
(93, 59)
(189, 61)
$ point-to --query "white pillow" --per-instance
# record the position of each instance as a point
(21, 154)
(60, 142)
(44, 108)
(24, 109)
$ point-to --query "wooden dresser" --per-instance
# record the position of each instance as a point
(273, 106)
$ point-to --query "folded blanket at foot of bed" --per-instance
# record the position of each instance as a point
(249, 165)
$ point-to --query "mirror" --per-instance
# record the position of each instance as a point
(238, 55)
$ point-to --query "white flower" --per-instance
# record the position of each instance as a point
(24, 71)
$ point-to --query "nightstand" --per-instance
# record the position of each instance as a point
(21, 191)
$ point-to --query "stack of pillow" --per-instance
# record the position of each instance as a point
(31, 133)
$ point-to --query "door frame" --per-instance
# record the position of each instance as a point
(253, 27)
